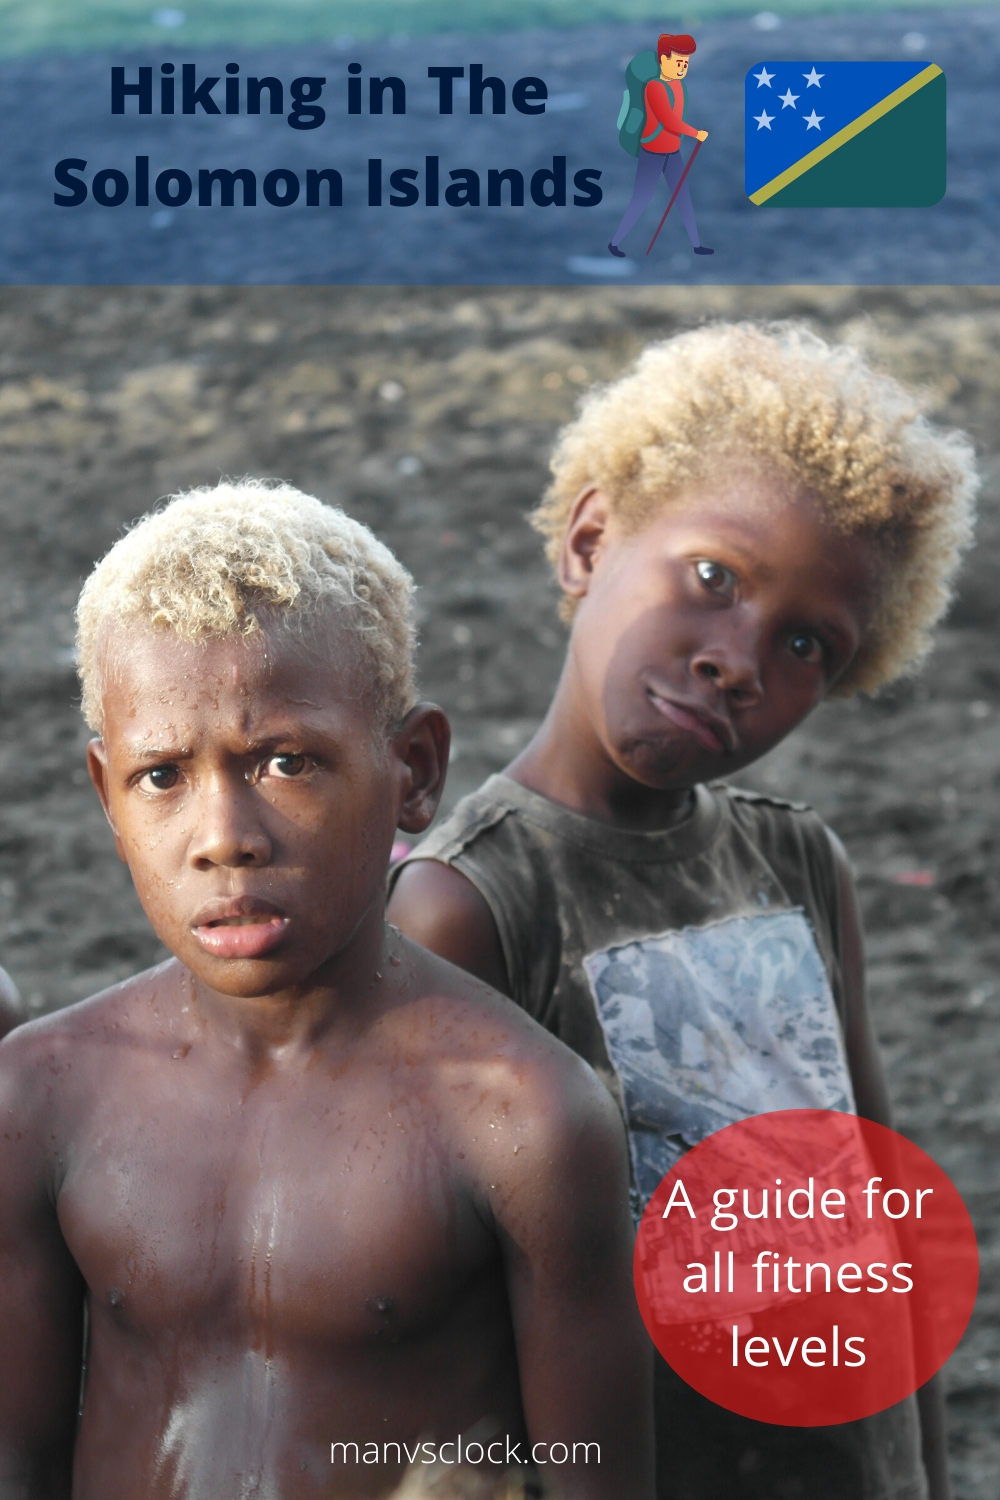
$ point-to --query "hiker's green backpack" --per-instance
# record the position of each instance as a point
(643, 68)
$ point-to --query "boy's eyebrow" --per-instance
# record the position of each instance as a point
(726, 521)
(139, 750)
(831, 627)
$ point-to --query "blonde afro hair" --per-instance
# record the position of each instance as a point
(778, 398)
(245, 557)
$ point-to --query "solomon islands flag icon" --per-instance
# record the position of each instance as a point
(845, 134)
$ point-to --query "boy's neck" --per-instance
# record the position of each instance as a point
(348, 991)
(565, 762)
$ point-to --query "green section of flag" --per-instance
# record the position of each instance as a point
(896, 162)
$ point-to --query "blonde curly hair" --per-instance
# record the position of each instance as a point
(247, 557)
(780, 399)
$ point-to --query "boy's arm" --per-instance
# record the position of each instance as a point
(871, 1095)
(871, 1091)
(41, 1304)
(585, 1361)
(440, 909)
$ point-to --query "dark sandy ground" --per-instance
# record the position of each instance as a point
(55, 107)
(429, 414)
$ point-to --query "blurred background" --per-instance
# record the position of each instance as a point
(55, 61)
(429, 414)
(78, 25)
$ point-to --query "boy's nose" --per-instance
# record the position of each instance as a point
(227, 833)
(735, 675)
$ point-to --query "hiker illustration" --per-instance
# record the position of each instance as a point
(650, 126)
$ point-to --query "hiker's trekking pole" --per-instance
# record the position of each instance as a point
(688, 165)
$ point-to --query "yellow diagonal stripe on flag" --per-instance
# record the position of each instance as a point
(848, 133)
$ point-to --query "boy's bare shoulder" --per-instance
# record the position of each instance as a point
(449, 1004)
(38, 1054)
(535, 1126)
(462, 1028)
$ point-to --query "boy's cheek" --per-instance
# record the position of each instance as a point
(160, 898)
(149, 848)
(156, 860)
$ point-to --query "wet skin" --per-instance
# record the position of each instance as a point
(699, 643)
(317, 1185)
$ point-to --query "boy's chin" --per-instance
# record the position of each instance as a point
(663, 770)
(250, 978)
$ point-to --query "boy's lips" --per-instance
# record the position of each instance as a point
(240, 927)
(710, 730)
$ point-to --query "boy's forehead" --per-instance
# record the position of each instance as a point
(740, 486)
(751, 502)
(750, 507)
(153, 673)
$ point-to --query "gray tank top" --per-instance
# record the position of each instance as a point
(698, 971)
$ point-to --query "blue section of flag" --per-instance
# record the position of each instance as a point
(793, 107)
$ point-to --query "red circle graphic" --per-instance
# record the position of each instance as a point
(806, 1267)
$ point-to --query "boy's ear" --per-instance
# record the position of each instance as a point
(422, 743)
(97, 766)
(583, 541)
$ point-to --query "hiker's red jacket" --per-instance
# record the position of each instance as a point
(665, 116)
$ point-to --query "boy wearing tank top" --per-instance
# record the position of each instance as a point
(746, 523)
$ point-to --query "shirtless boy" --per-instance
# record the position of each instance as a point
(747, 523)
(326, 1197)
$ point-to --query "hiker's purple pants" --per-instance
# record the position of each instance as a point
(647, 174)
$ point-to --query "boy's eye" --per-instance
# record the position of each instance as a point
(285, 765)
(806, 647)
(162, 778)
(715, 577)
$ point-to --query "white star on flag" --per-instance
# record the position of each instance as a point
(812, 121)
(788, 99)
(763, 77)
(812, 77)
(764, 120)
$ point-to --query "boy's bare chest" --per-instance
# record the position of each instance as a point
(340, 1212)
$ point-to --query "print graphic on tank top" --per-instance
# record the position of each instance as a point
(706, 1025)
